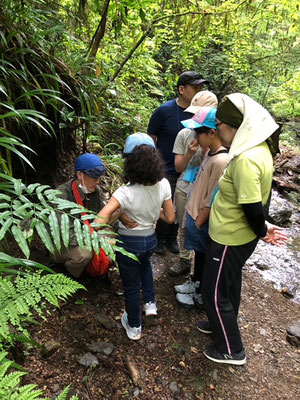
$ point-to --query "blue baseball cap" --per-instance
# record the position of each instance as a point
(90, 164)
(205, 116)
(137, 139)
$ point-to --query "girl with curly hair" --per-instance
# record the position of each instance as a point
(145, 198)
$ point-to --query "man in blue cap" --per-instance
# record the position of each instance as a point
(88, 170)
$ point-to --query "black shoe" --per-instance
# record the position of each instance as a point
(204, 327)
(214, 355)
(172, 246)
(160, 249)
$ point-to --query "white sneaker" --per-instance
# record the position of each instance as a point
(132, 333)
(187, 287)
(185, 299)
(150, 309)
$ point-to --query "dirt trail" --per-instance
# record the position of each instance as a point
(168, 358)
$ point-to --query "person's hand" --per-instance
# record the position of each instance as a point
(193, 146)
(127, 222)
(275, 235)
(197, 223)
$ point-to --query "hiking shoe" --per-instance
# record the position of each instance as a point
(185, 299)
(204, 327)
(187, 287)
(197, 299)
(172, 246)
(150, 309)
(159, 249)
(132, 333)
(214, 355)
(183, 267)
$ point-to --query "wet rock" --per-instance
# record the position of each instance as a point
(88, 359)
(173, 387)
(151, 346)
(136, 392)
(70, 394)
(143, 374)
(287, 293)
(262, 267)
(55, 388)
(281, 217)
(103, 348)
(293, 334)
(50, 347)
(106, 322)
(263, 332)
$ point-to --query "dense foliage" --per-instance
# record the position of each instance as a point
(96, 69)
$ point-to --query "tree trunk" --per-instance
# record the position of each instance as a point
(100, 31)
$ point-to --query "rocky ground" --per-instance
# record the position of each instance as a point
(167, 363)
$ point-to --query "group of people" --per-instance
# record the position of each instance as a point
(214, 178)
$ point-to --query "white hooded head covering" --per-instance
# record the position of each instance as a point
(256, 127)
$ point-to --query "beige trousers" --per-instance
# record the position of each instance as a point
(74, 259)
(180, 201)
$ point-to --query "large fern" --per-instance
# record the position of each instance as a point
(19, 297)
(11, 389)
(38, 208)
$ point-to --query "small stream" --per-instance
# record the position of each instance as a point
(281, 265)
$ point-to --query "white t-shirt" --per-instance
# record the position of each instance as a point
(143, 205)
(181, 145)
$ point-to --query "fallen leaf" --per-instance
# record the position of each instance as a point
(212, 387)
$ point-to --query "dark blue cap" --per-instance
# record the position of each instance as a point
(90, 164)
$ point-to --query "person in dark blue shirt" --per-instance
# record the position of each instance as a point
(164, 125)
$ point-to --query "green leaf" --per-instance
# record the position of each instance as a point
(18, 185)
(54, 228)
(19, 238)
(65, 229)
(78, 233)
(87, 237)
(5, 227)
(44, 235)
(95, 242)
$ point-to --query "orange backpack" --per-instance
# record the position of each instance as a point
(99, 263)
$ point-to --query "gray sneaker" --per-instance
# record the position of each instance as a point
(183, 267)
(132, 332)
(187, 287)
(197, 299)
(186, 300)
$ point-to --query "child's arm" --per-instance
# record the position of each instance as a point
(106, 213)
(203, 217)
(167, 213)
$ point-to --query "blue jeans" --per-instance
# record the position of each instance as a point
(137, 275)
(195, 238)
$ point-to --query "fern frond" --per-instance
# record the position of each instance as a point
(19, 298)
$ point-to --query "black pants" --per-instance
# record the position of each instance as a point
(221, 292)
(198, 269)
(167, 232)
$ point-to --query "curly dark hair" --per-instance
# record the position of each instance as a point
(144, 165)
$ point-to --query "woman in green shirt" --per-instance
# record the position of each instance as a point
(237, 221)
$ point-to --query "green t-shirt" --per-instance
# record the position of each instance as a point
(246, 180)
